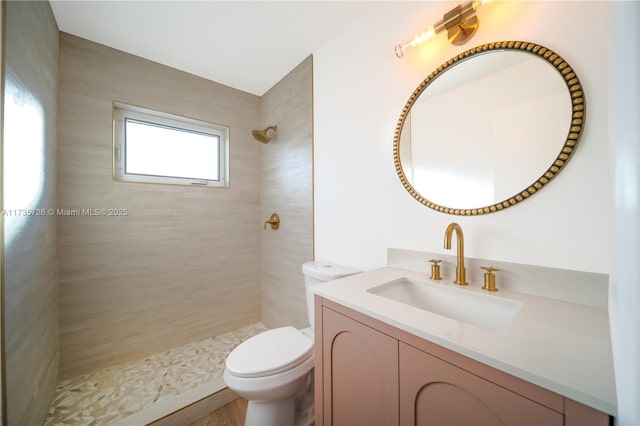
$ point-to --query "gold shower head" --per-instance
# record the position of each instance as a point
(261, 135)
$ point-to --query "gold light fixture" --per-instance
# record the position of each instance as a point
(460, 22)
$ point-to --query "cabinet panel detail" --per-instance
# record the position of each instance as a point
(577, 414)
(434, 392)
(360, 373)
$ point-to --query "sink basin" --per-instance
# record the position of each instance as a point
(482, 310)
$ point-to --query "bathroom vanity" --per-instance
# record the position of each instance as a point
(382, 360)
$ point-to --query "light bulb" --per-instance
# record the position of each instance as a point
(418, 39)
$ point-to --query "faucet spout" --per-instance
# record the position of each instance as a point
(461, 278)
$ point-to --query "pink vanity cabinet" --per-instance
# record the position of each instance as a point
(370, 373)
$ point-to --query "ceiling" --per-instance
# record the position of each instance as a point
(248, 45)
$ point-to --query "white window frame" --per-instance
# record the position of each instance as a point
(121, 112)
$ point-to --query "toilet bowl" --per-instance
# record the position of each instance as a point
(273, 370)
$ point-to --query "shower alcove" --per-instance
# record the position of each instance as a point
(150, 389)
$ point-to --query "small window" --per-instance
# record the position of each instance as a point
(156, 147)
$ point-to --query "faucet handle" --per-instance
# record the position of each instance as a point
(274, 221)
(489, 278)
(435, 269)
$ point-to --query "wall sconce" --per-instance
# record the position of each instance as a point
(460, 22)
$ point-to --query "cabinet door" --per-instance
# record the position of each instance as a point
(434, 392)
(360, 373)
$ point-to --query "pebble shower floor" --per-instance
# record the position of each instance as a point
(114, 393)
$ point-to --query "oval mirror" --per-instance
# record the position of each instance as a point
(489, 128)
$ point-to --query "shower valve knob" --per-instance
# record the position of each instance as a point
(274, 221)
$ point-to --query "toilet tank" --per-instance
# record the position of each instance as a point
(320, 272)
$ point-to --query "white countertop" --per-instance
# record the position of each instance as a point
(561, 346)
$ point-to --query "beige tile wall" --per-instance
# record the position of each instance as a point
(2, 349)
(183, 265)
(287, 189)
(30, 277)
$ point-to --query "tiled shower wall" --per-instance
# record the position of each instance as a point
(286, 189)
(29, 169)
(181, 266)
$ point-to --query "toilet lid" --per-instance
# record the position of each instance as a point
(268, 353)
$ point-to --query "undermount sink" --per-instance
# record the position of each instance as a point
(482, 310)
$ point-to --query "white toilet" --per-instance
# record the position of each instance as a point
(274, 369)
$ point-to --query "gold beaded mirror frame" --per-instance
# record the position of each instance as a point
(405, 148)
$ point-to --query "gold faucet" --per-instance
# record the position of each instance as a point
(461, 278)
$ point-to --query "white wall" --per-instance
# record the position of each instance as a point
(624, 132)
(360, 87)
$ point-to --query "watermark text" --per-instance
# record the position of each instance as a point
(111, 212)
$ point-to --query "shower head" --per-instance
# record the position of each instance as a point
(261, 135)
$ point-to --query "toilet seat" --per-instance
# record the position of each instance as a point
(268, 353)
